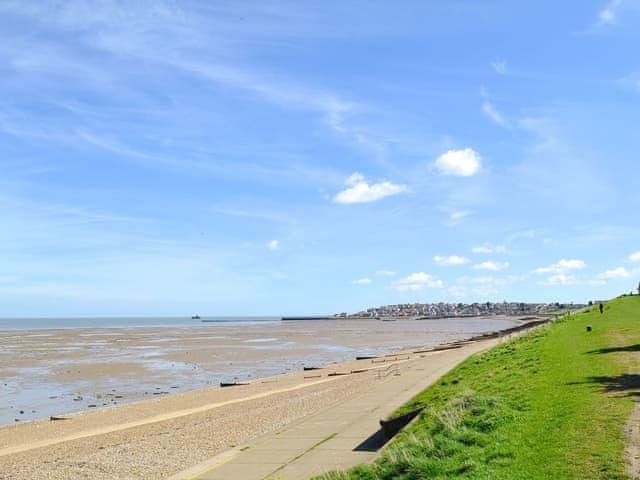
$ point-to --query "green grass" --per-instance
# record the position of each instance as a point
(549, 405)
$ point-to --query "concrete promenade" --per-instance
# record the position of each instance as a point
(333, 438)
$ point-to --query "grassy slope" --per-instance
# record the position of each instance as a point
(550, 405)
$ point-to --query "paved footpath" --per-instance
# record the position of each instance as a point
(330, 439)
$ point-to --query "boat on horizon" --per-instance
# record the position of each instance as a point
(195, 317)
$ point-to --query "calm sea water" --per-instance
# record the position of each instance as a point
(124, 322)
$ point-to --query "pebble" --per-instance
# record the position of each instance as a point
(147, 452)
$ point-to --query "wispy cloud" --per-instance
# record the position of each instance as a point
(450, 260)
(194, 163)
(457, 216)
(255, 214)
(485, 286)
(488, 248)
(362, 281)
(166, 36)
(614, 273)
(359, 191)
(385, 273)
(499, 66)
(417, 281)
(282, 93)
(609, 14)
(491, 265)
(630, 82)
(559, 279)
(562, 266)
(273, 245)
(552, 158)
(523, 234)
(114, 146)
(635, 257)
(491, 112)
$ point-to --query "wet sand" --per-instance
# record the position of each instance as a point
(49, 372)
(159, 437)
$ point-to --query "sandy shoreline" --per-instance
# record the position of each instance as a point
(55, 371)
(159, 437)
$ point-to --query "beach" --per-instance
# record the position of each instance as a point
(55, 371)
(123, 437)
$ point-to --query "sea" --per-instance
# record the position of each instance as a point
(125, 322)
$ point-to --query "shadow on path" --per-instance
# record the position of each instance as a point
(373, 443)
(627, 348)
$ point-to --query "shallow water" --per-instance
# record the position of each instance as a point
(122, 322)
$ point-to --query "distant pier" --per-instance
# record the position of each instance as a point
(312, 317)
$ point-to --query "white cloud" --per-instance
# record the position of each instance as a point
(562, 266)
(490, 111)
(487, 248)
(635, 257)
(559, 279)
(499, 66)
(273, 245)
(619, 272)
(608, 15)
(461, 163)
(385, 273)
(509, 279)
(490, 265)
(354, 179)
(457, 291)
(559, 272)
(362, 281)
(417, 281)
(486, 286)
(359, 191)
(450, 260)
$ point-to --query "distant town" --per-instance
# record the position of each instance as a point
(442, 310)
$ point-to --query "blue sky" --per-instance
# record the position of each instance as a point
(315, 157)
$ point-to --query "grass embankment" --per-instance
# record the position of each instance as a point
(549, 405)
